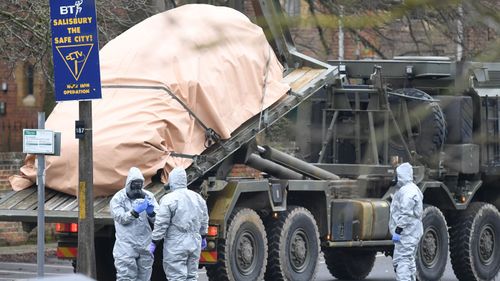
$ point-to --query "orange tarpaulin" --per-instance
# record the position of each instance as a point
(213, 59)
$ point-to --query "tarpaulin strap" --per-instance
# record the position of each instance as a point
(211, 136)
(182, 155)
(202, 158)
(195, 157)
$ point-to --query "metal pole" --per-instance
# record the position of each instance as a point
(40, 240)
(86, 255)
(295, 164)
(341, 34)
(460, 33)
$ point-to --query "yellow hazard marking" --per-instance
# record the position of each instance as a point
(75, 56)
(81, 200)
(66, 252)
(209, 256)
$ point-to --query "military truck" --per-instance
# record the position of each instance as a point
(440, 115)
(355, 120)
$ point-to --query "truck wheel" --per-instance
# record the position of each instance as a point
(105, 263)
(432, 253)
(243, 254)
(350, 264)
(158, 273)
(293, 246)
(428, 125)
(475, 243)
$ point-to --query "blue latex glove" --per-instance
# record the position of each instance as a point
(151, 248)
(396, 237)
(141, 207)
(151, 208)
(203, 243)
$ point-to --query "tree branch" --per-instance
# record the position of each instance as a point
(368, 43)
(319, 28)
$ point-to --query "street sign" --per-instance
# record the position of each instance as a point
(37, 141)
(75, 50)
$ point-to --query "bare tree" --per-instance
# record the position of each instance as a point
(387, 27)
(395, 27)
(25, 28)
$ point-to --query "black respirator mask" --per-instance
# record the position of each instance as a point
(134, 190)
(394, 180)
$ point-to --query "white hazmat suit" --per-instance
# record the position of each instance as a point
(406, 223)
(133, 231)
(182, 220)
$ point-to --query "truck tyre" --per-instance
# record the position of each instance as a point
(428, 126)
(350, 264)
(158, 273)
(243, 254)
(105, 263)
(475, 243)
(432, 253)
(294, 246)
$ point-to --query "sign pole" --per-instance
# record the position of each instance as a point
(86, 255)
(40, 240)
(75, 53)
(40, 142)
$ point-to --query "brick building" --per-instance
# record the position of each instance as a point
(12, 233)
(22, 92)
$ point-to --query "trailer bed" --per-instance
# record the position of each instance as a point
(59, 207)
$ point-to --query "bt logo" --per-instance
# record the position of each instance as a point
(74, 9)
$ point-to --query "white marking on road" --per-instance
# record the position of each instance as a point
(378, 256)
(29, 273)
(34, 265)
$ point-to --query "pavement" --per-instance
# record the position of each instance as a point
(27, 253)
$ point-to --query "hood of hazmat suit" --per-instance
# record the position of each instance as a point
(177, 179)
(134, 184)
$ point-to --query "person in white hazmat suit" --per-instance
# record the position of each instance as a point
(182, 221)
(133, 209)
(405, 223)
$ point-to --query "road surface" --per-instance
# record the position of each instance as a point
(382, 271)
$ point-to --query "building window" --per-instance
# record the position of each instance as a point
(25, 80)
(30, 79)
